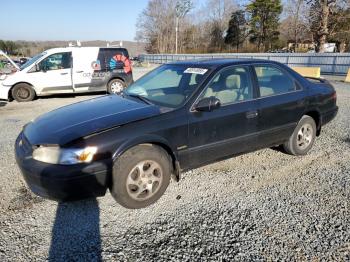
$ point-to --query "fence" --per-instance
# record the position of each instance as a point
(330, 63)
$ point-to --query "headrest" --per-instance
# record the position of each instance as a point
(233, 81)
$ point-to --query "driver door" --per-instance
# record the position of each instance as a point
(229, 129)
(53, 74)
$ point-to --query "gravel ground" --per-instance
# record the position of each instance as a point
(264, 205)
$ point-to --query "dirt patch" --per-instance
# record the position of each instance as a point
(23, 199)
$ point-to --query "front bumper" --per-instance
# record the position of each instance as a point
(62, 182)
(4, 92)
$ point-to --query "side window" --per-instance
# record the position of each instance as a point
(56, 62)
(273, 81)
(230, 85)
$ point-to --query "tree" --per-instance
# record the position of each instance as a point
(264, 21)
(237, 29)
(320, 11)
(181, 9)
(339, 27)
(295, 26)
(155, 26)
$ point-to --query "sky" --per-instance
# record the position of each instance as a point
(69, 19)
(40, 20)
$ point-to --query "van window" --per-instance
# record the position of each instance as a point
(273, 81)
(56, 61)
(107, 62)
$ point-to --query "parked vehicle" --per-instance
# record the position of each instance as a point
(178, 117)
(23, 60)
(69, 70)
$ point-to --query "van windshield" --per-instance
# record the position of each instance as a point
(32, 60)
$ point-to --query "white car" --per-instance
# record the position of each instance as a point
(69, 70)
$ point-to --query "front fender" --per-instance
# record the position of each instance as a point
(151, 139)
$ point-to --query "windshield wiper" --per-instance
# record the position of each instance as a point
(142, 98)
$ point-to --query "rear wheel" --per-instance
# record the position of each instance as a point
(303, 137)
(141, 176)
(23, 92)
(116, 86)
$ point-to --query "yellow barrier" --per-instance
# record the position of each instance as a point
(347, 79)
(308, 71)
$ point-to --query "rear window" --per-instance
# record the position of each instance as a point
(273, 81)
(105, 56)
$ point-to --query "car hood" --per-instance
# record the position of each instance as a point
(71, 122)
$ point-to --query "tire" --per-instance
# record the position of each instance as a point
(303, 137)
(133, 188)
(23, 93)
(116, 86)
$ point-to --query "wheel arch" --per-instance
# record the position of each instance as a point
(22, 82)
(316, 115)
(152, 140)
(115, 77)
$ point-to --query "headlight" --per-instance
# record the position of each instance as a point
(64, 156)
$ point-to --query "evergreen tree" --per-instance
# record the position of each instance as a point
(237, 29)
(264, 21)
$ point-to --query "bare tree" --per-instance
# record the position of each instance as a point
(296, 24)
(320, 11)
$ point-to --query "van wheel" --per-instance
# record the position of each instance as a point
(23, 92)
(141, 176)
(116, 86)
(303, 137)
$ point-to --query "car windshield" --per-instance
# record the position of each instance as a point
(168, 85)
(32, 60)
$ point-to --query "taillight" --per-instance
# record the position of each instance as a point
(334, 96)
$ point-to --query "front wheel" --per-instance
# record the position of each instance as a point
(116, 86)
(23, 93)
(303, 137)
(141, 176)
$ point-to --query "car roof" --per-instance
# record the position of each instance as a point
(218, 62)
(71, 48)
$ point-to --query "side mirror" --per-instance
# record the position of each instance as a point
(208, 104)
(40, 68)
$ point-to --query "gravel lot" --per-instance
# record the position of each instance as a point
(264, 205)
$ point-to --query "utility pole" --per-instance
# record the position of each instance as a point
(176, 33)
(181, 9)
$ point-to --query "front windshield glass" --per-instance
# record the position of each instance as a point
(168, 85)
(33, 60)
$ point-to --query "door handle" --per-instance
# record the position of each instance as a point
(251, 114)
(64, 73)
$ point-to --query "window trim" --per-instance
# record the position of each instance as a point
(296, 83)
(249, 71)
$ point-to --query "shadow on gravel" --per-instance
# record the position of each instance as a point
(76, 232)
(347, 140)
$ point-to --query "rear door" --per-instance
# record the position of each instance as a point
(230, 129)
(281, 103)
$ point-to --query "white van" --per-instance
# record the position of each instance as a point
(69, 70)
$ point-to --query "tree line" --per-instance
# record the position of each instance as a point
(249, 26)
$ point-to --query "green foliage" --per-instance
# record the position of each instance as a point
(9, 47)
(237, 29)
(264, 22)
